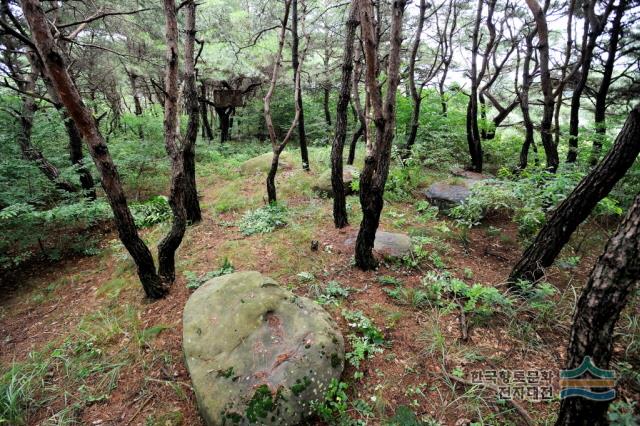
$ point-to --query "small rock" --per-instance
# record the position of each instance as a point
(388, 244)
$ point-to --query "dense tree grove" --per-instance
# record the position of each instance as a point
(147, 125)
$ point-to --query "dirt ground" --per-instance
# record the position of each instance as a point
(152, 385)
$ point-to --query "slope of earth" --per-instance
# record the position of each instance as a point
(80, 344)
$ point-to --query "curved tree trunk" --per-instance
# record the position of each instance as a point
(64, 86)
(602, 300)
(603, 89)
(337, 148)
(546, 134)
(564, 220)
(170, 243)
(276, 146)
(378, 157)
(524, 102)
(416, 95)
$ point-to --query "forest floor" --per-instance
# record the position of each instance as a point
(87, 347)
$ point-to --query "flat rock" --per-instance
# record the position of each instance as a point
(388, 244)
(445, 195)
(262, 163)
(323, 185)
(257, 353)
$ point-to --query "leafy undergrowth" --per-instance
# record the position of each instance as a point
(82, 346)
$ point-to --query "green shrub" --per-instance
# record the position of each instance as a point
(155, 210)
(263, 220)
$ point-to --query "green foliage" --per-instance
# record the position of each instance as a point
(263, 220)
(622, 413)
(478, 301)
(194, 281)
(333, 407)
(333, 292)
(19, 389)
(366, 339)
(155, 210)
(404, 417)
(28, 232)
(529, 197)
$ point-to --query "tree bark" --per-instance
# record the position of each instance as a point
(473, 133)
(564, 220)
(567, 59)
(416, 95)
(224, 113)
(524, 101)
(337, 148)
(355, 96)
(56, 69)
(376, 164)
(593, 27)
(276, 146)
(77, 159)
(191, 202)
(550, 149)
(605, 83)
(170, 243)
(207, 132)
(295, 62)
(602, 300)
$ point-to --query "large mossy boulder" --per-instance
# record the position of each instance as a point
(257, 353)
(323, 184)
(389, 245)
(262, 163)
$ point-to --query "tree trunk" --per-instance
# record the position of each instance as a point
(295, 62)
(223, 115)
(546, 134)
(378, 156)
(326, 86)
(473, 133)
(56, 69)
(603, 89)
(77, 159)
(594, 26)
(416, 95)
(602, 300)
(170, 243)
(355, 96)
(524, 101)
(588, 44)
(206, 126)
(325, 104)
(564, 220)
(278, 147)
(339, 201)
(567, 59)
(191, 203)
